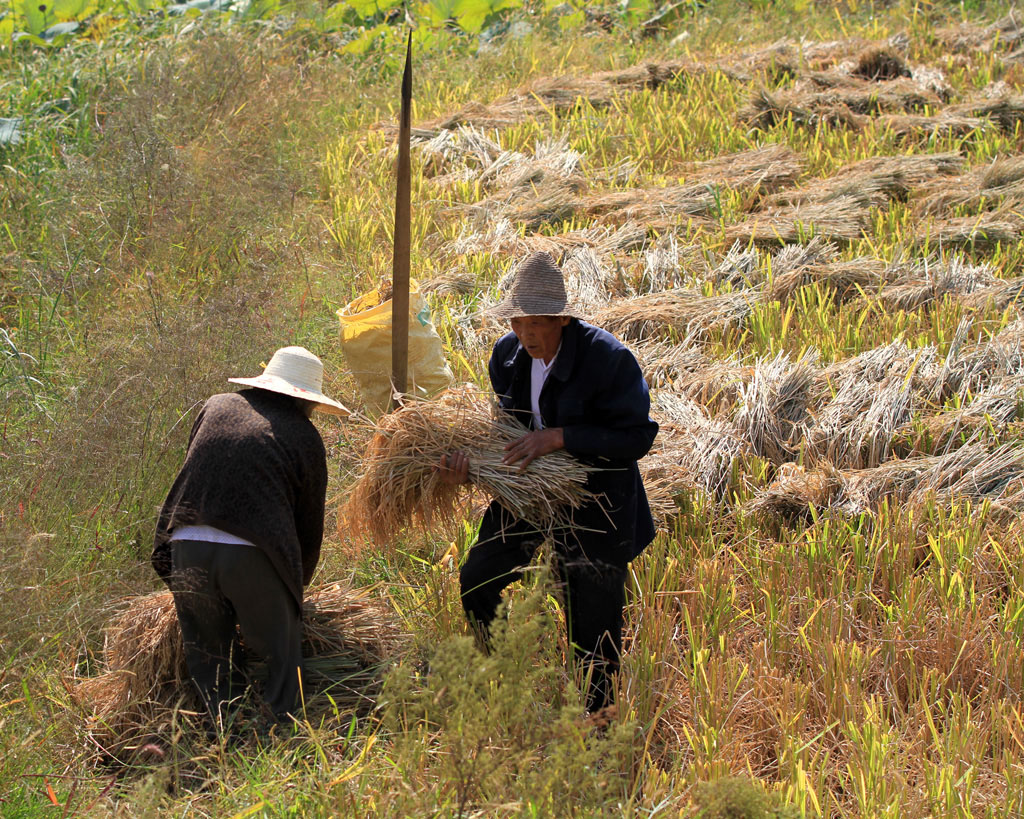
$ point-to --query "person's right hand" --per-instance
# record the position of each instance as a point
(454, 468)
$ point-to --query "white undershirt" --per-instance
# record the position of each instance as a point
(538, 375)
(207, 534)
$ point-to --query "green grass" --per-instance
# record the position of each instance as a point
(198, 198)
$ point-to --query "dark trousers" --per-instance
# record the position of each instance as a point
(594, 595)
(219, 585)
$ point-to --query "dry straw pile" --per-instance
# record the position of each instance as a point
(349, 639)
(400, 485)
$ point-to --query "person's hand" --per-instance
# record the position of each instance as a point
(532, 445)
(454, 468)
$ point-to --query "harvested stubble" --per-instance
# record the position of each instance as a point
(348, 640)
(688, 311)
(985, 187)
(773, 405)
(399, 484)
(984, 230)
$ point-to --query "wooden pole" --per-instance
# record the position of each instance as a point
(403, 230)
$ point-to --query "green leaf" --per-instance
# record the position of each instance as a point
(636, 10)
(362, 43)
(38, 15)
(371, 8)
(70, 9)
(572, 21)
(6, 32)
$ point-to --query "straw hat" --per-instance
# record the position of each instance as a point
(297, 372)
(537, 289)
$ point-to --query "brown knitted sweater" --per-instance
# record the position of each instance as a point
(255, 467)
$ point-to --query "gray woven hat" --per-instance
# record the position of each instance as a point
(537, 289)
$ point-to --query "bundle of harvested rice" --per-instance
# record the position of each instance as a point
(687, 370)
(739, 267)
(971, 473)
(663, 265)
(773, 405)
(988, 186)
(1006, 34)
(450, 283)
(1007, 111)
(844, 219)
(857, 428)
(399, 483)
(692, 451)
(934, 281)
(794, 492)
(348, 639)
(463, 147)
(881, 63)
(986, 229)
(998, 296)
(589, 280)
(875, 180)
(654, 206)
(767, 168)
(945, 123)
(843, 279)
(688, 311)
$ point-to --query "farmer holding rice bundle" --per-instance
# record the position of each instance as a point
(239, 534)
(577, 388)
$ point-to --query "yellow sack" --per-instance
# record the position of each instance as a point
(366, 343)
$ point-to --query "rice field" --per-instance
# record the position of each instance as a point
(814, 249)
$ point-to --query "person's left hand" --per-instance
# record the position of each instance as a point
(532, 445)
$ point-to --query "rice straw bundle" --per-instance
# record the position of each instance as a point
(878, 179)
(971, 473)
(794, 492)
(687, 310)
(844, 279)
(935, 281)
(843, 219)
(691, 450)
(462, 147)
(986, 229)
(767, 168)
(856, 429)
(399, 484)
(1006, 33)
(588, 280)
(773, 405)
(450, 283)
(687, 370)
(880, 63)
(347, 639)
(739, 267)
(986, 186)
(662, 265)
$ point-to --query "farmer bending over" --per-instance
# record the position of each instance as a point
(577, 388)
(239, 534)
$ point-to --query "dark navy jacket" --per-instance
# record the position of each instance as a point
(597, 394)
